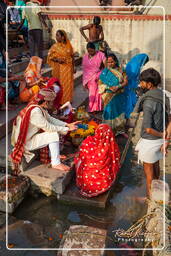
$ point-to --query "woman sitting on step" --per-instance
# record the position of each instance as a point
(33, 80)
(98, 162)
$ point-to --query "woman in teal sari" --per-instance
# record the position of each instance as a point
(111, 86)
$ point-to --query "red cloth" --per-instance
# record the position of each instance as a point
(2, 95)
(98, 162)
(18, 150)
(44, 155)
(58, 98)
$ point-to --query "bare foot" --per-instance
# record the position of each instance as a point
(61, 167)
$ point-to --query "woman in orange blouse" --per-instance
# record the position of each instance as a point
(60, 58)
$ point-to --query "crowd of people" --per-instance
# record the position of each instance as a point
(112, 91)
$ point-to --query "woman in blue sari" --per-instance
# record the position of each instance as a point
(133, 69)
(111, 86)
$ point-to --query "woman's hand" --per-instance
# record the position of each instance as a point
(73, 126)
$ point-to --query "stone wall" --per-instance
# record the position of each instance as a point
(126, 35)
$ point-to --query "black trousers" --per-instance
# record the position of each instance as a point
(35, 41)
(2, 37)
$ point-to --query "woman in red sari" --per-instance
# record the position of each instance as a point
(98, 162)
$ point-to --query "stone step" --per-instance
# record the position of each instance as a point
(14, 52)
(21, 66)
(17, 187)
(11, 116)
(72, 196)
(86, 238)
(72, 192)
(48, 180)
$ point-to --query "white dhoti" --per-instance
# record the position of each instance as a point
(149, 150)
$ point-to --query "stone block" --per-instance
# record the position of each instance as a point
(17, 187)
(48, 180)
(83, 237)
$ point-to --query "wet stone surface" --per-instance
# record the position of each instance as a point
(83, 237)
(17, 187)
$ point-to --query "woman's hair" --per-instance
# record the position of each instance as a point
(113, 56)
(62, 34)
(91, 45)
(151, 75)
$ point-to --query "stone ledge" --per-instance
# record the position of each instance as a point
(48, 180)
(83, 237)
(17, 187)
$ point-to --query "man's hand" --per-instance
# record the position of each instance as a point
(164, 148)
(73, 126)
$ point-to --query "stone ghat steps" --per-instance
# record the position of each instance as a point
(21, 66)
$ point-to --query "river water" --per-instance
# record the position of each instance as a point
(124, 208)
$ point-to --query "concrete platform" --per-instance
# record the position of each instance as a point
(48, 180)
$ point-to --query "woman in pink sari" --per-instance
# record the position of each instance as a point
(92, 64)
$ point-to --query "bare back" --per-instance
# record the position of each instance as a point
(95, 32)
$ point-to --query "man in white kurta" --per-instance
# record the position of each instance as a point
(43, 130)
